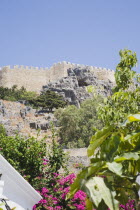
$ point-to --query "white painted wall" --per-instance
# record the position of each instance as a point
(16, 188)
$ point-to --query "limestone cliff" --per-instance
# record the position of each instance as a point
(73, 87)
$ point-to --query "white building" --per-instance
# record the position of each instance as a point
(15, 190)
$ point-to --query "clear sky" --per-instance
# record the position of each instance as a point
(90, 32)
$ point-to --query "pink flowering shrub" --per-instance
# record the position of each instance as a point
(130, 205)
(54, 196)
(54, 188)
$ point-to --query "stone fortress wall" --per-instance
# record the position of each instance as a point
(33, 78)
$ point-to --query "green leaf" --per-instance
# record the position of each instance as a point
(92, 190)
(127, 156)
(97, 190)
(94, 168)
(98, 139)
(115, 168)
(89, 205)
(122, 196)
(82, 177)
(132, 118)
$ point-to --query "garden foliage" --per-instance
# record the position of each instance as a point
(41, 169)
(126, 97)
(25, 155)
(115, 152)
(55, 191)
(115, 164)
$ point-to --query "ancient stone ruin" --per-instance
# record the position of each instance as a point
(33, 78)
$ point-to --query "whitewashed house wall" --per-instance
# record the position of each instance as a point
(16, 188)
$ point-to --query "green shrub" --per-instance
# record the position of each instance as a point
(15, 94)
(31, 158)
(25, 155)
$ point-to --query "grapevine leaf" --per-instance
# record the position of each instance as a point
(127, 156)
(98, 139)
(135, 117)
(115, 168)
(97, 190)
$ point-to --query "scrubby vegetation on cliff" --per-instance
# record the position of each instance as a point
(45, 100)
(15, 94)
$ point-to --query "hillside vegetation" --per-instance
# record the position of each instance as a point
(46, 100)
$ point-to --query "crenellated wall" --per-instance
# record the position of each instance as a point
(30, 78)
(33, 78)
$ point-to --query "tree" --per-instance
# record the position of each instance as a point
(124, 101)
(118, 106)
(68, 121)
(49, 100)
(77, 125)
(124, 74)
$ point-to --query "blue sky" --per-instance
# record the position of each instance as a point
(90, 32)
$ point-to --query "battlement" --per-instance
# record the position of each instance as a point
(62, 64)
(33, 78)
(21, 67)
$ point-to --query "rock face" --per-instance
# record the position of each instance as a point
(18, 118)
(73, 87)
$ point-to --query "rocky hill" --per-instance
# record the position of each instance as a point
(18, 118)
(73, 87)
